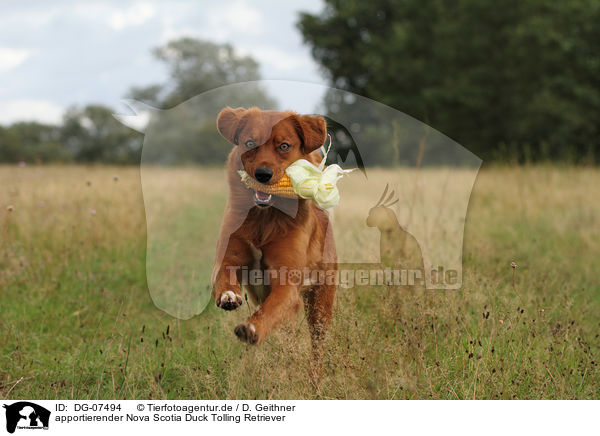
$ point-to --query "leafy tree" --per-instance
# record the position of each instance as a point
(511, 77)
(92, 134)
(185, 131)
(197, 66)
(31, 142)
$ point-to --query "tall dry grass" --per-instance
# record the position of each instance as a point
(78, 320)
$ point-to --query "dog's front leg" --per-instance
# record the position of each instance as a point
(283, 300)
(226, 289)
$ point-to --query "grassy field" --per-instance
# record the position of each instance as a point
(77, 320)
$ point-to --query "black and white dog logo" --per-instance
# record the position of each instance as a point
(26, 415)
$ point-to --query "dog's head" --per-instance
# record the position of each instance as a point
(270, 141)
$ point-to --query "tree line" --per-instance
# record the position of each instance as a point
(517, 80)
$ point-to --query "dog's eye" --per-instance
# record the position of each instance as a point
(249, 144)
(284, 146)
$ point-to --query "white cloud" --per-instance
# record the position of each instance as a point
(224, 20)
(29, 17)
(11, 57)
(170, 32)
(276, 59)
(30, 110)
(238, 16)
(133, 16)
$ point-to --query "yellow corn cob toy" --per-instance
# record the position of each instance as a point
(283, 188)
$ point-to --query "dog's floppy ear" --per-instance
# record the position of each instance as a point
(228, 121)
(312, 130)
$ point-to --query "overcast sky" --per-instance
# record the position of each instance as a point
(54, 54)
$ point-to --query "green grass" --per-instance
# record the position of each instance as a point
(77, 320)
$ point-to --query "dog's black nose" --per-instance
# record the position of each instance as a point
(263, 175)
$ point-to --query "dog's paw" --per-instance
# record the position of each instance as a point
(246, 332)
(229, 300)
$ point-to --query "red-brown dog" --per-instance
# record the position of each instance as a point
(273, 233)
